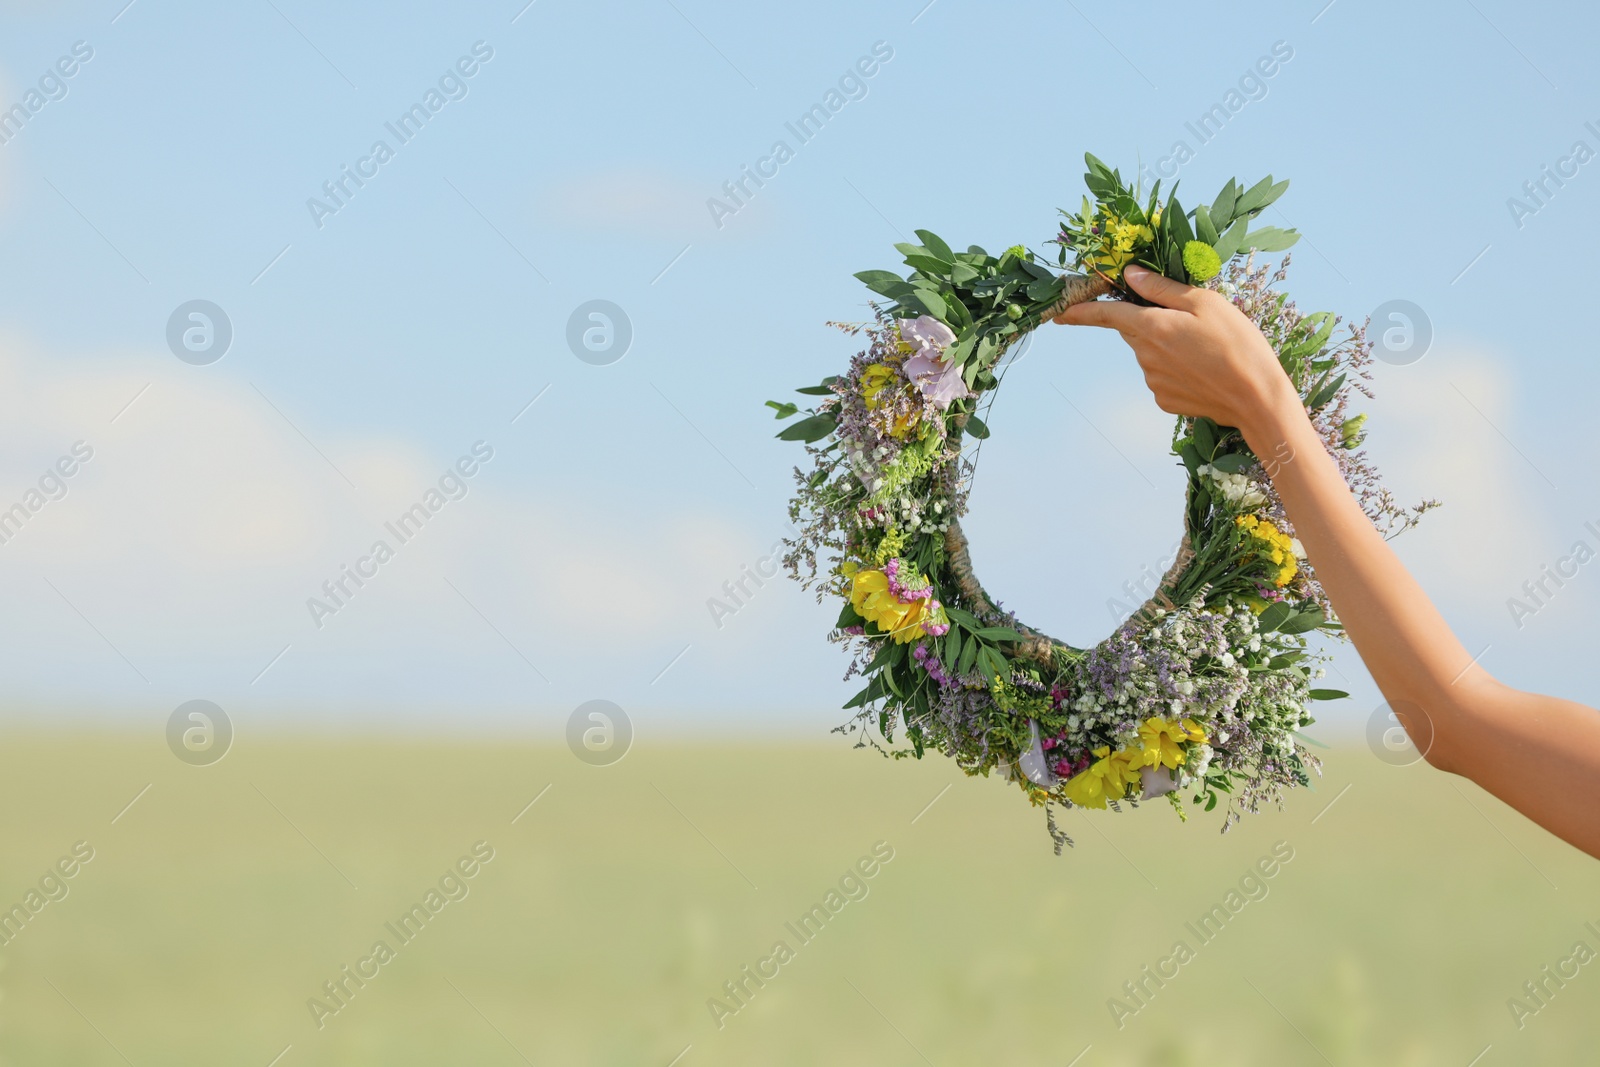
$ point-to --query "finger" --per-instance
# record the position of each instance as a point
(1159, 289)
(1112, 314)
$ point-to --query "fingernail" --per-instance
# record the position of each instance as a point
(1133, 273)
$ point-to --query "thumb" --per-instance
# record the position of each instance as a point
(1159, 289)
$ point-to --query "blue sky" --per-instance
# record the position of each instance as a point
(373, 351)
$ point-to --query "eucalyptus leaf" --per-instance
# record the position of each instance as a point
(932, 243)
(929, 301)
(1271, 239)
(1228, 244)
(929, 265)
(1042, 289)
(1222, 206)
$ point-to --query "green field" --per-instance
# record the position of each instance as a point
(616, 906)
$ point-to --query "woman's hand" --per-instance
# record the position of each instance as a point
(1540, 754)
(1199, 353)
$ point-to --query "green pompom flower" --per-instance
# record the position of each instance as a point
(1201, 261)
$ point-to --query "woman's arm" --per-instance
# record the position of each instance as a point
(1540, 754)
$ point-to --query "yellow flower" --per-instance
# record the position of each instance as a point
(1272, 545)
(1162, 741)
(873, 379)
(892, 544)
(1107, 778)
(870, 596)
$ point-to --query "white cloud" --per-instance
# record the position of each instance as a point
(1436, 431)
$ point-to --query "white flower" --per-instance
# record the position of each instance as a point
(1199, 759)
(1236, 489)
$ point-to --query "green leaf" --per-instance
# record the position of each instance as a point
(1190, 456)
(1254, 198)
(889, 679)
(808, 430)
(1041, 290)
(1234, 462)
(969, 652)
(977, 428)
(1306, 620)
(957, 313)
(1205, 438)
(871, 692)
(1174, 268)
(1324, 322)
(929, 301)
(1275, 616)
(882, 281)
(783, 410)
(1222, 206)
(848, 617)
(1228, 244)
(1328, 694)
(884, 655)
(1177, 222)
(966, 620)
(1204, 230)
(931, 241)
(1271, 239)
(1324, 394)
(825, 389)
(952, 648)
(998, 633)
(928, 264)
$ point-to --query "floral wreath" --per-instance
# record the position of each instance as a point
(1206, 687)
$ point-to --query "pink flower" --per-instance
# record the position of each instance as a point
(927, 335)
(939, 379)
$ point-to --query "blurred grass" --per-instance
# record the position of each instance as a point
(619, 903)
